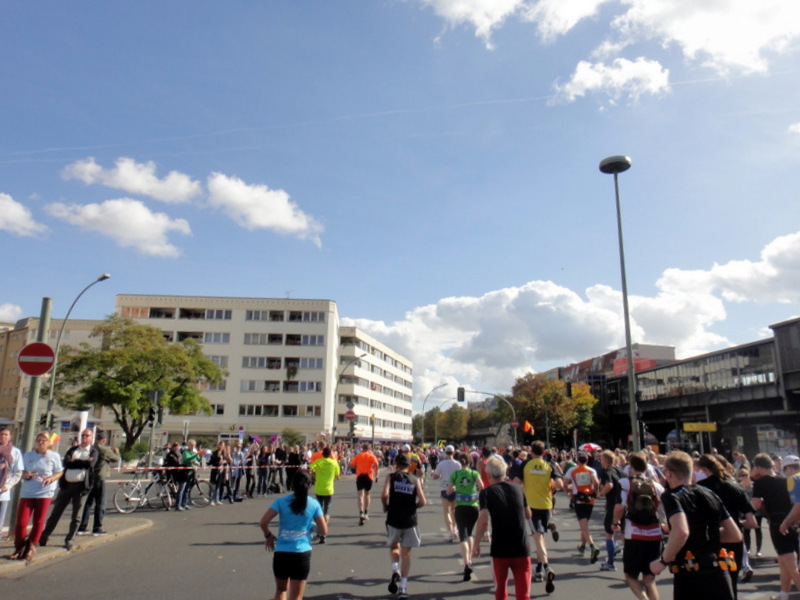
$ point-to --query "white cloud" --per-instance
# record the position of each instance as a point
(135, 178)
(259, 207)
(16, 218)
(486, 342)
(128, 222)
(633, 78)
(557, 17)
(484, 15)
(722, 34)
(10, 313)
(794, 128)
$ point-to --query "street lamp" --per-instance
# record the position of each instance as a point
(350, 404)
(616, 165)
(441, 385)
(102, 277)
(436, 421)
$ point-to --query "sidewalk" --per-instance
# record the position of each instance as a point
(117, 527)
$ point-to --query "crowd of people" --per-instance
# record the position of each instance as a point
(689, 516)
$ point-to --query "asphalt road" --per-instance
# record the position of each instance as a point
(218, 552)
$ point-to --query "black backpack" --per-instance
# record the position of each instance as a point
(642, 501)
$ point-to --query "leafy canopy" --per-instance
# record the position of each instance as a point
(133, 364)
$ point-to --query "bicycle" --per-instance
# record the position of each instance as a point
(200, 492)
(139, 492)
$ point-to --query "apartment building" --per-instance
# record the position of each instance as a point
(290, 365)
(14, 385)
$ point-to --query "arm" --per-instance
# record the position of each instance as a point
(421, 501)
(480, 531)
(790, 519)
(679, 533)
(269, 537)
(16, 473)
(322, 525)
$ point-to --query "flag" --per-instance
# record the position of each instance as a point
(527, 428)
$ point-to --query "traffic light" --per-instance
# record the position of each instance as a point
(569, 389)
(43, 420)
(151, 415)
(460, 394)
(51, 422)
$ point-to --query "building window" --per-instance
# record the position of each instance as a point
(135, 312)
(314, 317)
(216, 337)
(275, 339)
(276, 315)
(310, 363)
(293, 339)
(220, 361)
(218, 315)
(218, 387)
(310, 386)
(295, 316)
(289, 410)
(291, 386)
(312, 340)
(313, 411)
(217, 409)
(162, 313)
(255, 339)
(255, 315)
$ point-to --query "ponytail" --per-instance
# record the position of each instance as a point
(300, 484)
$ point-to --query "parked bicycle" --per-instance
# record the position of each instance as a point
(158, 491)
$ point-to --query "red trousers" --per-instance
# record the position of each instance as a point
(520, 569)
(27, 507)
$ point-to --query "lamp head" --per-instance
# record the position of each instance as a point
(103, 277)
(615, 164)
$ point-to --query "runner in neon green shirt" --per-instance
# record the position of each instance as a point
(326, 471)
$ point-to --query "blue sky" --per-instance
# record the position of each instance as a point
(430, 165)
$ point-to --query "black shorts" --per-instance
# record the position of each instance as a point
(466, 517)
(540, 520)
(608, 519)
(784, 544)
(702, 585)
(291, 565)
(325, 503)
(583, 511)
(638, 555)
(363, 482)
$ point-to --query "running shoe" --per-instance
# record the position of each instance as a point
(467, 572)
(403, 595)
(361, 520)
(538, 577)
(581, 550)
(550, 587)
(553, 530)
(393, 582)
(607, 566)
(595, 555)
(748, 575)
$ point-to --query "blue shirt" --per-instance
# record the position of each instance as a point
(43, 465)
(294, 531)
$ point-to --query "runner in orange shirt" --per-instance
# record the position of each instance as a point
(366, 466)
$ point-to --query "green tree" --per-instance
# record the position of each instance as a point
(535, 396)
(453, 423)
(292, 437)
(133, 364)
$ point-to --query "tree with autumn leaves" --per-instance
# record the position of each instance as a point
(534, 396)
(132, 363)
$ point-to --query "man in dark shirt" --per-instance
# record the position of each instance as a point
(402, 496)
(504, 503)
(609, 476)
(699, 524)
(771, 496)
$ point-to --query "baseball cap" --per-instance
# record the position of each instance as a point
(449, 450)
(406, 448)
(790, 460)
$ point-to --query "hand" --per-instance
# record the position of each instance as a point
(476, 549)
(657, 567)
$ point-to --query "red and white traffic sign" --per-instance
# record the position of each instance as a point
(36, 359)
(515, 423)
(350, 415)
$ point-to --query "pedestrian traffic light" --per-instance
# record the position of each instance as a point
(51, 421)
(460, 394)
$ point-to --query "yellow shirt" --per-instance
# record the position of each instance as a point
(536, 476)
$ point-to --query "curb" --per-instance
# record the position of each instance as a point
(81, 543)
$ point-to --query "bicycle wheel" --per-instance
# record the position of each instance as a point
(200, 493)
(158, 495)
(128, 497)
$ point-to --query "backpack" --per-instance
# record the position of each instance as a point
(642, 501)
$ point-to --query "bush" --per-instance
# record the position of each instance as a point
(135, 452)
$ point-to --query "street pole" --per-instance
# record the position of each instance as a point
(615, 165)
(441, 385)
(102, 277)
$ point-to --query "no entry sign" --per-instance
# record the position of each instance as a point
(36, 359)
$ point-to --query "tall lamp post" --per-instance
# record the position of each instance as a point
(441, 385)
(436, 421)
(350, 404)
(614, 165)
(49, 412)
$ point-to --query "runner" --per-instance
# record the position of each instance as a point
(464, 485)
(365, 464)
(610, 489)
(402, 496)
(537, 475)
(583, 489)
(326, 471)
(444, 470)
(639, 505)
